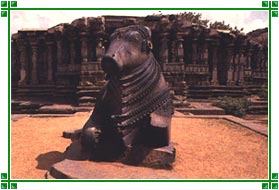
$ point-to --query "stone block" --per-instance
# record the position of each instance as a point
(161, 158)
(57, 109)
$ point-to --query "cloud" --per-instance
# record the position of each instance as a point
(249, 20)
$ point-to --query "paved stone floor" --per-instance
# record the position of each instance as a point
(207, 147)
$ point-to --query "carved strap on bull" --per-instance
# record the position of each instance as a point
(140, 93)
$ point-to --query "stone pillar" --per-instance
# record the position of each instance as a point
(173, 51)
(249, 55)
(204, 54)
(241, 69)
(59, 52)
(163, 50)
(23, 64)
(236, 67)
(34, 72)
(72, 52)
(49, 63)
(13, 55)
(260, 60)
(100, 49)
(15, 64)
(214, 78)
(194, 51)
(230, 63)
(84, 50)
(265, 62)
(180, 49)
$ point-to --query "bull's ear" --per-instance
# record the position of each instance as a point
(149, 45)
(148, 31)
(146, 46)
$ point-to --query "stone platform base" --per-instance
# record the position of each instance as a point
(162, 157)
(77, 166)
(72, 169)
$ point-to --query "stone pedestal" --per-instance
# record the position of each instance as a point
(76, 169)
(77, 166)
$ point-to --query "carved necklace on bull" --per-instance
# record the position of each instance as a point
(141, 93)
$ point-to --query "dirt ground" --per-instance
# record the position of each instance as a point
(206, 148)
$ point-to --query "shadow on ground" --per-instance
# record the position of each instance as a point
(46, 160)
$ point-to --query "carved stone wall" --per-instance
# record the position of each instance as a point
(66, 58)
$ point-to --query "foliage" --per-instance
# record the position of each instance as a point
(196, 18)
(233, 106)
(223, 26)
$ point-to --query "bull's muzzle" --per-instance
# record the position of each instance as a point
(110, 65)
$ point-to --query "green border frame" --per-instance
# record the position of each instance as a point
(270, 183)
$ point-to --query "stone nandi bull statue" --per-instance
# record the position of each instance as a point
(134, 107)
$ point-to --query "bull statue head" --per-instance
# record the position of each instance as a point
(130, 47)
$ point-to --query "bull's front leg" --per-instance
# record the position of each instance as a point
(90, 136)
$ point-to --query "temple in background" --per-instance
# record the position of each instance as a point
(62, 63)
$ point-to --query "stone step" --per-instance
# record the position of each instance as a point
(25, 107)
(36, 91)
(204, 92)
(86, 99)
(259, 103)
(86, 104)
(258, 110)
(216, 87)
(87, 87)
(87, 92)
(206, 95)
